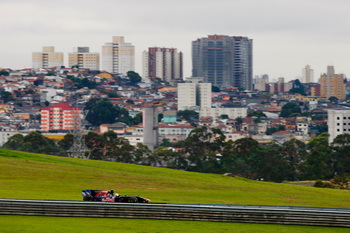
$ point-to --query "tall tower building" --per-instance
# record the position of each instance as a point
(308, 74)
(118, 56)
(223, 60)
(47, 58)
(84, 59)
(194, 94)
(150, 127)
(332, 85)
(163, 63)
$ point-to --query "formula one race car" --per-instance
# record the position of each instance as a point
(110, 196)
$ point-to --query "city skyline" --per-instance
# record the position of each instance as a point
(287, 35)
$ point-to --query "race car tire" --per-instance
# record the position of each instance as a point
(133, 200)
(87, 198)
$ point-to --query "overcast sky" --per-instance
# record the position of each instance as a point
(287, 34)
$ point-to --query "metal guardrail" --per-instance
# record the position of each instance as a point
(310, 216)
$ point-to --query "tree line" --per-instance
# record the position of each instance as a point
(206, 150)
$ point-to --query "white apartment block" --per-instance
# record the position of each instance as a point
(338, 123)
(163, 63)
(118, 56)
(47, 58)
(84, 59)
(204, 94)
(194, 94)
(303, 127)
(232, 113)
(186, 96)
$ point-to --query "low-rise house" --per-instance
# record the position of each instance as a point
(233, 136)
(282, 136)
(174, 132)
(119, 128)
(169, 116)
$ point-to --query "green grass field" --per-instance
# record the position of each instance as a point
(33, 176)
(10, 224)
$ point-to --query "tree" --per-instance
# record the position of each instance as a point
(215, 88)
(80, 83)
(33, 142)
(14, 142)
(143, 155)
(4, 73)
(188, 115)
(269, 163)
(166, 143)
(67, 142)
(101, 111)
(239, 157)
(6, 96)
(134, 77)
(30, 91)
(137, 119)
(112, 95)
(110, 147)
(200, 149)
(258, 114)
(333, 99)
(239, 122)
(341, 156)
(289, 109)
(167, 157)
(295, 153)
(318, 163)
(272, 130)
(297, 88)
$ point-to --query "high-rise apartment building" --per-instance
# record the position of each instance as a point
(47, 58)
(59, 117)
(82, 57)
(308, 74)
(332, 85)
(338, 123)
(118, 56)
(163, 63)
(193, 94)
(223, 60)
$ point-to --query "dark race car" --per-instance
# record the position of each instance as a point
(110, 196)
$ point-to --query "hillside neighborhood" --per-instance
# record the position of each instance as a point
(26, 94)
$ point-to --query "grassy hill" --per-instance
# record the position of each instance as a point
(35, 176)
